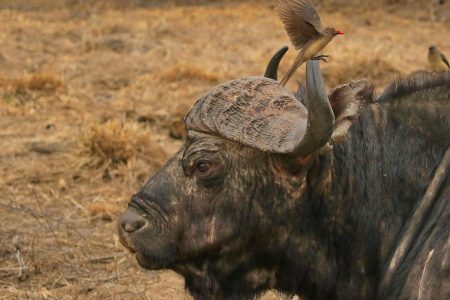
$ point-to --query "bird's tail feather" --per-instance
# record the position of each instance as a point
(289, 74)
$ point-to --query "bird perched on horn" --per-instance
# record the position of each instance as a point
(438, 62)
(303, 25)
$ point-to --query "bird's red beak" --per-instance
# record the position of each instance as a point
(339, 32)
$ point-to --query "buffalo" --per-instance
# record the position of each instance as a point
(339, 195)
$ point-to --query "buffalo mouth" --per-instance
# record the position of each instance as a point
(152, 255)
(155, 256)
(151, 252)
(125, 243)
(151, 263)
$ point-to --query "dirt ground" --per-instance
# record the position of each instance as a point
(91, 103)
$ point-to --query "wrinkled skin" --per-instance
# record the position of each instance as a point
(235, 221)
(199, 217)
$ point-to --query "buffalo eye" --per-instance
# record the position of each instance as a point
(202, 166)
(207, 171)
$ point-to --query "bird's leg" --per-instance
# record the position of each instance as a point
(321, 57)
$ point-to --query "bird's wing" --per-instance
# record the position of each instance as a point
(300, 20)
(444, 59)
(306, 11)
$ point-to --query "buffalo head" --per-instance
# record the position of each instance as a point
(229, 194)
(256, 200)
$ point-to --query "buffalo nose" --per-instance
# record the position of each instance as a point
(131, 221)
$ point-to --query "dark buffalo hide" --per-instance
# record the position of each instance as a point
(236, 219)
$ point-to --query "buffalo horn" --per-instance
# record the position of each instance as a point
(272, 66)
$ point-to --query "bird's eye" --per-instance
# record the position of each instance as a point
(202, 166)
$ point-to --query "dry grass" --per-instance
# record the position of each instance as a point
(106, 211)
(114, 142)
(186, 72)
(42, 81)
(14, 86)
(91, 93)
(384, 70)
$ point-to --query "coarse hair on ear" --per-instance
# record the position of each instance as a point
(347, 100)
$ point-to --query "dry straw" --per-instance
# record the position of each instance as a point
(44, 81)
(114, 143)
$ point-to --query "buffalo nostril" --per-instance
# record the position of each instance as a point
(130, 226)
(130, 221)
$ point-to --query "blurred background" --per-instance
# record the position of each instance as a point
(92, 100)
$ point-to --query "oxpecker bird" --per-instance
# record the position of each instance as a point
(438, 62)
(304, 28)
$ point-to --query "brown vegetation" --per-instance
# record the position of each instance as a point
(188, 73)
(113, 143)
(92, 98)
(41, 81)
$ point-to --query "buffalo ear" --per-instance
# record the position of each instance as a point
(347, 101)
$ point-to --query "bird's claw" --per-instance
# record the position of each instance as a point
(321, 57)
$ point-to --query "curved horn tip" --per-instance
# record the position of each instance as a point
(314, 80)
(320, 115)
(272, 67)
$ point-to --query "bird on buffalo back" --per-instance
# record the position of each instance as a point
(438, 62)
(303, 25)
